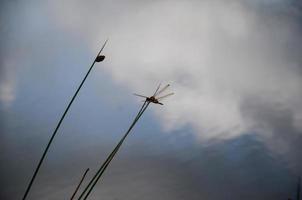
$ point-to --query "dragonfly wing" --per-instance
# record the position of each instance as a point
(156, 89)
(140, 95)
(163, 89)
(160, 98)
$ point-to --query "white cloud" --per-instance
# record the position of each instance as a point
(216, 54)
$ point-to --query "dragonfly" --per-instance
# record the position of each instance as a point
(154, 98)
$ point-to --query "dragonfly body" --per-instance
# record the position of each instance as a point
(154, 98)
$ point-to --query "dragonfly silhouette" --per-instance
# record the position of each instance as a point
(154, 98)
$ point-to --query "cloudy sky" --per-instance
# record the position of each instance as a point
(233, 129)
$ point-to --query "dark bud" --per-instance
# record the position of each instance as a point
(100, 58)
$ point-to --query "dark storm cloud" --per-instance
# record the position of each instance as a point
(192, 171)
(280, 123)
(277, 125)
